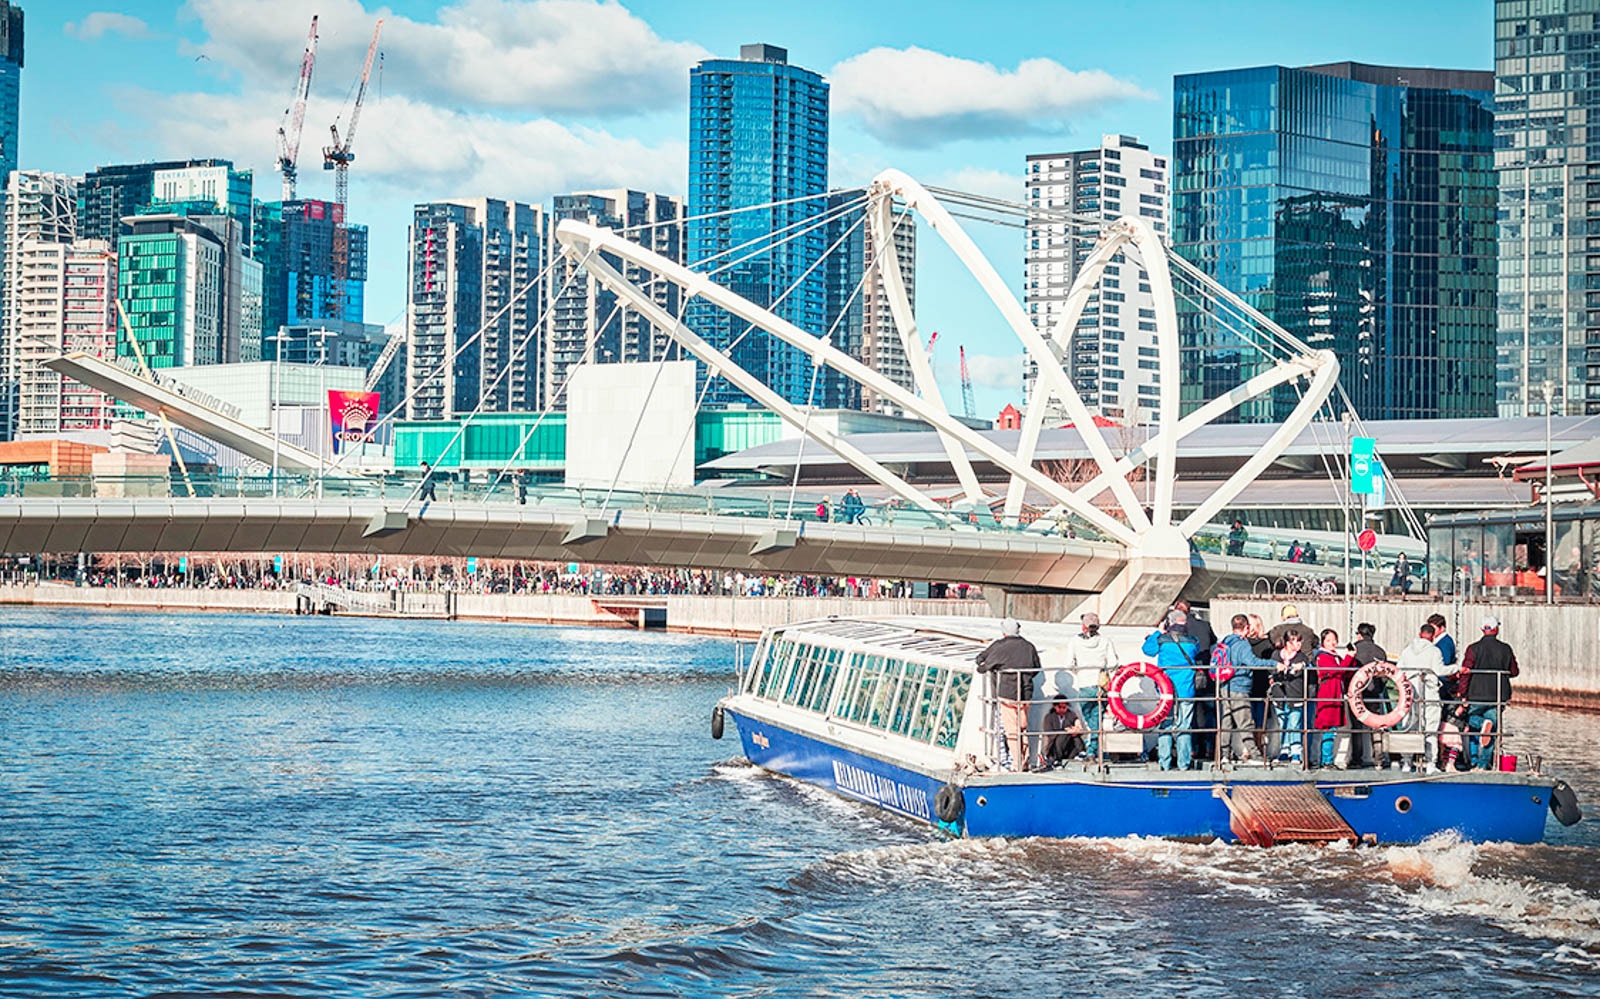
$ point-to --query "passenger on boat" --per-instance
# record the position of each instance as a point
(1368, 746)
(1422, 663)
(1063, 735)
(1235, 663)
(1485, 680)
(1174, 650)
(1015, 662)
(1205, 691)
(1333, 675)
(1286, 694)
(1447, 652)
(1260, 679)
(1091, 657)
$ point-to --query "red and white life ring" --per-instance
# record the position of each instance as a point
(1119, 708)
(1358, 684)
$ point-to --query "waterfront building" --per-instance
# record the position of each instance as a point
(758, 136)
(1355, 206)
(585, 322)
(66, 298)
(351, 345)
(1548, 157)
(473, 263)
(107, 196)
(304, 282)
(40, 208)
(191, 294)
(860, 322)
(1111, 352)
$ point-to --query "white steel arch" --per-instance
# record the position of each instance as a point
(1150, 536)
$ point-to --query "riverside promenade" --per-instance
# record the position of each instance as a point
(732, 616)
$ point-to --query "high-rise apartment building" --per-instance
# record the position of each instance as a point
(587, 324)
(304, 283)
(758, 136)
(1547, 151)
(66, 297)
(860, 321)
(39, 208)
(11, 52)
(191, 294)
(473, 263)
(1110, 353)
(1354, 205)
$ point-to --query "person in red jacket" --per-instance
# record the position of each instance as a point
(1333, 673)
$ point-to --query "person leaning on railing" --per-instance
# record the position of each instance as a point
(1015, 662)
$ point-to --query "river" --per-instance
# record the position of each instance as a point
(240, 805)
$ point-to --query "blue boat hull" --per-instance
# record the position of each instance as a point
(1479, 808)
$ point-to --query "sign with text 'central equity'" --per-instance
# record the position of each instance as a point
(1362, 465)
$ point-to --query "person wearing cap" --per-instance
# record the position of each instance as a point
(1063, 733)
(1014, 661)
(1091, 657)
(1176, 652)
(1485, 686)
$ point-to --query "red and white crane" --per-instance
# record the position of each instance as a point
(967, 403)
(294, 117)
(338, 157)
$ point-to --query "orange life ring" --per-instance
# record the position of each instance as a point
(1358, 684)
(1119, 708)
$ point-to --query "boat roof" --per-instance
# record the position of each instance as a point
(956, 637)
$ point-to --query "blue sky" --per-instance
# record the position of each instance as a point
(524, 98)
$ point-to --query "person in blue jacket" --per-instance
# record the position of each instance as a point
(1236, 727)
(1174, 650)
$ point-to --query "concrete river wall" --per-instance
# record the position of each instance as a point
(741, 617)
(1557, 647)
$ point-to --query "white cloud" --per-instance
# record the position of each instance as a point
(997, 372)
(542, 56)
(990, 183)
(917, 97)
(420, 151)
(103, 22)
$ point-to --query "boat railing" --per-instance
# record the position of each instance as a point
(1427, 732)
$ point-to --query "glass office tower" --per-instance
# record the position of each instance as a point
(1355, 206)
(1547, 99)
(758, 135)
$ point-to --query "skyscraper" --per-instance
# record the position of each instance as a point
(112, 193)
(11, 51)
(295, 243)
(1110, 354)
(860, 320)
(1354, 205)
(473, 264)
(758, 136)
(40, 208)
(587, 324)
(1547, 149)
(191, 294)
(68, 295)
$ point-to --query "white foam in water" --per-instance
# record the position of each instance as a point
(1441, 869)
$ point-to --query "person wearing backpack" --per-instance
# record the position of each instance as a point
(822, 509)
(1233, 666)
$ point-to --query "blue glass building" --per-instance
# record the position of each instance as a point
(10, 84)
(1355, 206)
(758, 135)
(303, 282)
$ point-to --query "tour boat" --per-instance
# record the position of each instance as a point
(892, 712)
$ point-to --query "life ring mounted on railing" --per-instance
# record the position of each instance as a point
(1119, 707)
(1358, 685)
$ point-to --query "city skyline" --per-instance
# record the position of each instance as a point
(211, 78)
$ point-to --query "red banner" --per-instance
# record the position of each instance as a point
(353, 416)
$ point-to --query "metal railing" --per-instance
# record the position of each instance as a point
(1283, 731)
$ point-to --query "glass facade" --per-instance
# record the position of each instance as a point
(1546, 55)
(11, 52)
(1503, 553)
(294, 242)
(758, 135)
(112, 193)
(1355, 206)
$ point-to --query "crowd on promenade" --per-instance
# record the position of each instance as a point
(497, 577)
(1289, 694)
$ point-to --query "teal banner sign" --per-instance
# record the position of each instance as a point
(1363, 466)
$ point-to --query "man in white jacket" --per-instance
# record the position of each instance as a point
(1422, 663)
(1090, 658)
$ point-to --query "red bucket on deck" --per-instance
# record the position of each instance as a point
(1508, 763)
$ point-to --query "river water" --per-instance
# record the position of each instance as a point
(272, 806)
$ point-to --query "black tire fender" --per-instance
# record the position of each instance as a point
(716, 722)
(949, 804)
(1564, 804)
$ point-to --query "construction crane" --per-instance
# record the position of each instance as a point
(385, 358)
(294, 117)
(933, 338)
(967, 402)
(338, 157)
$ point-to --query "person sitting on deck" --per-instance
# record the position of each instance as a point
(1174, 651)
(1015, 661)
(1063, 735)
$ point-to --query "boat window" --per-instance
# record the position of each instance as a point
(820, 683)
(766, 685)
(955, 706)
(928, 698)
(805, 658)
(857, 699)
(884, 697)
